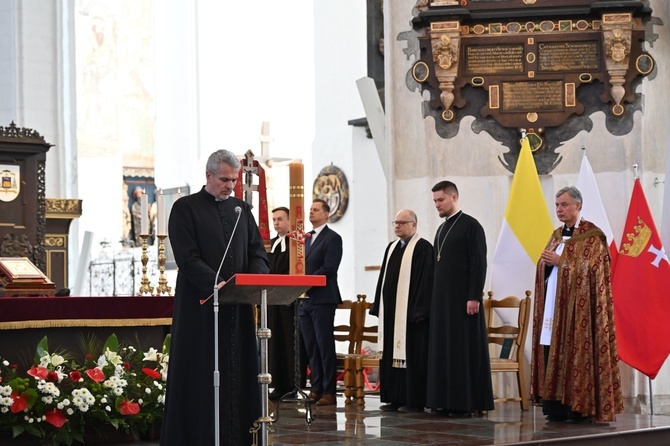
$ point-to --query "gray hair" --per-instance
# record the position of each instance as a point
(573, 192)
(222, 156)
(412, 215)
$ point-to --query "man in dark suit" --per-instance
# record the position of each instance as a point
(317, 313)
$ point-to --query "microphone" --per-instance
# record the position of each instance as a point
(238, 211)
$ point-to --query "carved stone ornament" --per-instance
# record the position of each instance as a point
(517, 64)
(331, 185)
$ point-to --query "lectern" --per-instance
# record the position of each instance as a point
(264, 290)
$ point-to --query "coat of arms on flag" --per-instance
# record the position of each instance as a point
(639, 282)
(10, 180)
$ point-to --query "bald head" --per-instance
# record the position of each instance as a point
(405, 224)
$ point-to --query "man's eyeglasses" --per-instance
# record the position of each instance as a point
(400, 222)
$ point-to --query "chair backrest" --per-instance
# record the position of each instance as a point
(510, 338)
(347, 332)
(365, 333)
(355, 332)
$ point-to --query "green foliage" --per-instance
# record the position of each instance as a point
(42, 348)
(66, 395)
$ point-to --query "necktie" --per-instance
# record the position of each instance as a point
(308, 241)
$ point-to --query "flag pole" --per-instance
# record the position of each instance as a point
(651, 397)
(651, 391)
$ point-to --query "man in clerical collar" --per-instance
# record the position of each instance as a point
(280, 317)
(402, 303)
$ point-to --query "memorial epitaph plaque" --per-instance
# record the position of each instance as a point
(530, 62)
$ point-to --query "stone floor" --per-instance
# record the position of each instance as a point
(507, 425)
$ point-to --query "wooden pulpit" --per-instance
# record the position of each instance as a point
(22, 201)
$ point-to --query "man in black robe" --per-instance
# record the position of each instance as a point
(200, 227)
(402, 302)
(459, 371)
(281, 317)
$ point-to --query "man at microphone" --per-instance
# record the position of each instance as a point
(201, 225)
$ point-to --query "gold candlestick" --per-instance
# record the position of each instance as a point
(162, 289)
(145, 287)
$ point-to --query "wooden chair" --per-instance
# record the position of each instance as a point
(354, 361)
(511, 341)
(363, 361)
(347, 333)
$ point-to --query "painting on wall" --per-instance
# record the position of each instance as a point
(135, 184)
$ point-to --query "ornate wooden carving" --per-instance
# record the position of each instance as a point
(539, 65)
(23, 218)
(60, 212)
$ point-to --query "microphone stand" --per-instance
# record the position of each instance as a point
(215, 306)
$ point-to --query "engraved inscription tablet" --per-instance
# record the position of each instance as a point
(533, 96)
(569, 56)
(498, 59)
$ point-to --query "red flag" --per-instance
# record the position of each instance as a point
(639, 287)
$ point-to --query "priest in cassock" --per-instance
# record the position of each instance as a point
(459, 368)
(402, 303)
(201, 226)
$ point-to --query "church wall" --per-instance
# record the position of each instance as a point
(340, 59)
(7, 63)
(178, 156)
(37, 87)
(39, 80)
(472, 161)
(368, 204)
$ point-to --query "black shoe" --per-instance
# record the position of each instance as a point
(410, 409)
(460, 414)
(390, 407)
(555, 418)
(578, 420)
(277, 394)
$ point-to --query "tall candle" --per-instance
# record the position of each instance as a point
(162, 220)
(297, 226)
(144, 218)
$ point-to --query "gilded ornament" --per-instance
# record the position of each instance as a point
(443, 52)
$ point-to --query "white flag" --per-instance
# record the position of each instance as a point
(592, 205)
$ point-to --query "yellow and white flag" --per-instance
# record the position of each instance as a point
(524, 233)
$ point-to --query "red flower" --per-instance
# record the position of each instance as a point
(75, 376)
(88, 356)
(14, 366)
(126, 366)
(20, 403)
(129, 408)
(96, 375)
(151, 373)
(55, 417)
(52, 377)
(38, 372)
